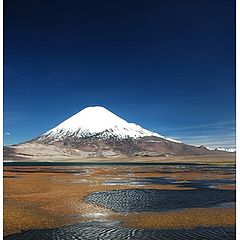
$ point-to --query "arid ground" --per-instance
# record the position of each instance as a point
(129, 196)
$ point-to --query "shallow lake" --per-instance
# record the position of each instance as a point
(119, 201)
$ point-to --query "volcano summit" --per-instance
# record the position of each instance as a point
(97, 132)
(96, 122)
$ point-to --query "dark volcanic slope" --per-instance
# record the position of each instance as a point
(10, 153)
(145, 146)
(108, 231)
(96, 146)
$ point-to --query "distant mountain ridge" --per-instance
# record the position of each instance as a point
(97, 132)
(225, 149)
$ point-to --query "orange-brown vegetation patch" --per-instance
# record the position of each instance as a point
(40, 200)
(189, 218)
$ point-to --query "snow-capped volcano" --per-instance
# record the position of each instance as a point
(97, 121)
(97, 132)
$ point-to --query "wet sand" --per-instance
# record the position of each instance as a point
(54, 197)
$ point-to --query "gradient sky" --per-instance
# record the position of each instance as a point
(166, 65)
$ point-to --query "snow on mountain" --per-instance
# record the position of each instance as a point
(97, 120)
(226, 149)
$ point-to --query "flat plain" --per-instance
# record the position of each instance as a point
(185, 197)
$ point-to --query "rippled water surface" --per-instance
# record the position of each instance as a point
(139, 200)
(83, 231)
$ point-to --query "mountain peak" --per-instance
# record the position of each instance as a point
(97, 120)
(95, 109)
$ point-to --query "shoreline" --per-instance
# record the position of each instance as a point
(227, 158)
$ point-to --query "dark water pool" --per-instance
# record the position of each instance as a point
(153, 200)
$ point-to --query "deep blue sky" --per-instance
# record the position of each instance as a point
(166, 65)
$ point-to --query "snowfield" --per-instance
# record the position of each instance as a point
(97, 120)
